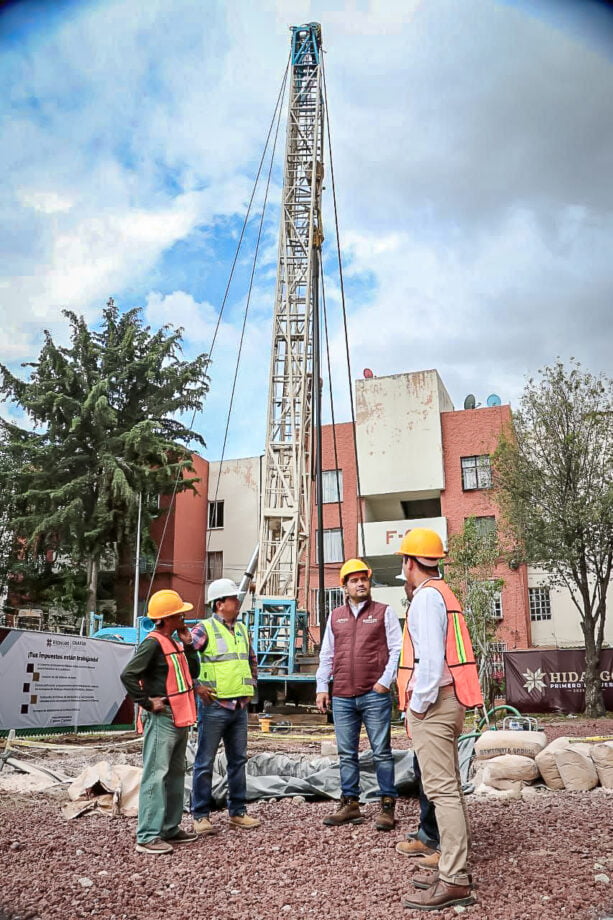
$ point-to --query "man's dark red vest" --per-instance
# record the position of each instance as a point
(360, 648)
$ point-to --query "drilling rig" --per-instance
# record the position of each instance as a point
(294, 406)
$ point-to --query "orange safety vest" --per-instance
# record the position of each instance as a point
(459, 655)
(179, 686)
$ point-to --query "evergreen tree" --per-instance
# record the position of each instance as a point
(106, 416)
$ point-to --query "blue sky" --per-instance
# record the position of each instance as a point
(472, 157)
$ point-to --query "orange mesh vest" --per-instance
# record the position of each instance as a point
(179, 687)
(459, 655)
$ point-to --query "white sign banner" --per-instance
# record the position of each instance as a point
(50, 680)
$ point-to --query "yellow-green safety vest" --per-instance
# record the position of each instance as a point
(224, 662)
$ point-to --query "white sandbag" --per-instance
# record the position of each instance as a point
(495, 744)
(509, 768)
(576, 769)
(602, 755)
(546, 762)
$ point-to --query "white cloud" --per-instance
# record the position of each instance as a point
(472, 160)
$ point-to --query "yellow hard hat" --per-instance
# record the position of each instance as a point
(351, 567)
(166, 603)
(424, 544)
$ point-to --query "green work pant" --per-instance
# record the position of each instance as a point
(160, 803)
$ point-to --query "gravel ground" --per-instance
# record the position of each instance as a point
(545, 857)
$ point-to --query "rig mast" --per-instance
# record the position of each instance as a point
(286, 500)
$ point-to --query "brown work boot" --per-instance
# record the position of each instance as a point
(414, 848)
(348, 812)
(246, 822)
(203, 826)
(425, 879)
(385, 820)
(440, 895)
(428, 862)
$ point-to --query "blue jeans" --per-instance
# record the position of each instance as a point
(374, 711)
(215, 724)
(427, 831)
(160, 801)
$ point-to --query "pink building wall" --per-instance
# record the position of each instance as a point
(468, 433)
(182, 560)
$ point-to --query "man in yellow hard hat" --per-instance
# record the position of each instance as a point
(437, 680)
(159, 678)
(359, 653)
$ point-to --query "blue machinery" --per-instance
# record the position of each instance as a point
(279, 634)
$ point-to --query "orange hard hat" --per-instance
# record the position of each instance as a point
(166, 603)
(351, 567)
(423, 544)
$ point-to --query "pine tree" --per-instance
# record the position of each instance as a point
(106, 415)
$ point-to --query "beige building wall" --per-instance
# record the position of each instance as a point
(237, 483)
(398, 431)
(563, 630)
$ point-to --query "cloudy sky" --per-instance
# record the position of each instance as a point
(472, 147)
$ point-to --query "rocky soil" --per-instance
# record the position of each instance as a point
(545, 857)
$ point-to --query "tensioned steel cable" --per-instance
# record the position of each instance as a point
(334, 442)
(342, 287)
(242, 336)
(275, 117)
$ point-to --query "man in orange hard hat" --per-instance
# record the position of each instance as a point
(359, 652)
(437, 680)
(159, 678)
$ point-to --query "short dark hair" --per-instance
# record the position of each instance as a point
(425, 569)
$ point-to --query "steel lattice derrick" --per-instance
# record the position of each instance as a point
(287, 459)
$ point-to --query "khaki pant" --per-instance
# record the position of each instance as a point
(435, 742)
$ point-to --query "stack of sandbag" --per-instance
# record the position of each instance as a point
(576, 765)
(505, 762)
(602, 755)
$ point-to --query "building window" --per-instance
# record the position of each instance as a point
(540, 604)
(497, 606)
(333, 597)
(331, 486)
(476, 472)
(333, 546)
(485, 526)
(216, 515)
(496, 659)
(214, 566)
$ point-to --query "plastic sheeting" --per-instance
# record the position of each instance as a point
(276, 775)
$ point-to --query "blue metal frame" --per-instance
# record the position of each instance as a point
(275, 624)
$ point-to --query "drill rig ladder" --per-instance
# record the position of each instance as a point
(286, 501)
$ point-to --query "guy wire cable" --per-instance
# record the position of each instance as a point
(179, 476)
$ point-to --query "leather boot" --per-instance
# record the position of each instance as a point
(385, 820)
(424, 880)
(440, 895)
(348, 812)
(413, 848)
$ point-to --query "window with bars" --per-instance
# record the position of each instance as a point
(333, 546)
(496, 659)
(216, 515)
(214, 565)
(540, 604)
(333, 597)
(476, 472)
(331, 486)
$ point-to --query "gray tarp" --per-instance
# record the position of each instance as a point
(271, 776)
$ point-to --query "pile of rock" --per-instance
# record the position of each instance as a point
(506, 762)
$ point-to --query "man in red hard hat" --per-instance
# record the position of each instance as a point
(437, 680)
(159, 678)
(359, 652)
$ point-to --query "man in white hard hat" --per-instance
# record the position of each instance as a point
(226, 684)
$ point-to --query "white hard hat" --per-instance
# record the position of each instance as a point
(221, 587)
